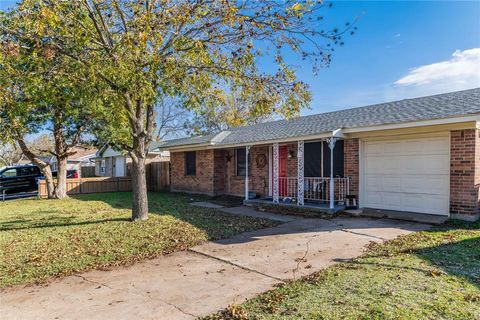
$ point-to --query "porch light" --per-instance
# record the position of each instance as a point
(291, 154)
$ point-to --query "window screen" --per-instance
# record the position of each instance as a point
(313, 159)
(240, 162)
(338, 155)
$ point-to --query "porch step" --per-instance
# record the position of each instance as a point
(323, 208)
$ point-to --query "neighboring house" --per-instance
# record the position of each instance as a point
(417, 155)
(83, 157)
(112, 163)
(27, 161)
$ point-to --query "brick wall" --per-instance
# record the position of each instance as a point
(352, 164)
(202, 182)
(235, 185)
(464, 171)
(216, 173)
(292, 163)
(219, 177)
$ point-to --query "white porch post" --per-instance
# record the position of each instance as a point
(331, 144)
(275, 173)
(300, 171)
(247, 152)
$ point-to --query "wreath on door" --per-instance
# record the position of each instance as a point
(261, 161)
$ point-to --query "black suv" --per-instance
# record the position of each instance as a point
(19, 178)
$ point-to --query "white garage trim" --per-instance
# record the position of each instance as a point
(444, 188)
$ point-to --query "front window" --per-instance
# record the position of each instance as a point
(240, 155)
(190, 163)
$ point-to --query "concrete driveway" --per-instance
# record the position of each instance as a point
(206, 278)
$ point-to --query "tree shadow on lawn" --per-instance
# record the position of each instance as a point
(457, 251)
(159, 204)
(15, 224)
(216, 224)
(459, 258)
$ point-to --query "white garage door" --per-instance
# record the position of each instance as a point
(407, 175)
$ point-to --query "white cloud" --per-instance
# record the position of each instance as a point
(461, 71)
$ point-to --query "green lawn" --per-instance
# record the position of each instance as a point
(41, 239)
(427, 275)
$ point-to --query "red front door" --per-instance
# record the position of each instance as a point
(282, 171)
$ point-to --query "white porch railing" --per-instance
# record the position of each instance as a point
(287, 187)
(315, 188)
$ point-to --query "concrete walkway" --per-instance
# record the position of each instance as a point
(206, 278)
(246, 211)
(251, 212)
(206, 204)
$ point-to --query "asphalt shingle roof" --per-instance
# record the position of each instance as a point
(447, 105)
(182, 141)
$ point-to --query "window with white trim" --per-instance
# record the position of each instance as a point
(102, 166)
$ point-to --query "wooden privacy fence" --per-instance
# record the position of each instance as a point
(87, 172)
(91, 185)
(157, 174)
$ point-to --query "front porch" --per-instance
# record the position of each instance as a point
(316, 194)
(308, 174)
(308, 205)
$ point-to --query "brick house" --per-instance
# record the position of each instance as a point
(417, 155)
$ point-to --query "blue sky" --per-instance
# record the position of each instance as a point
(402, 49)
(393, 38)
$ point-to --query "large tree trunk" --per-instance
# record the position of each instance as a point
(61, 152)
(44, 167)
(142, 121)
(47, 173)
(139, 188)
(61, 190)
